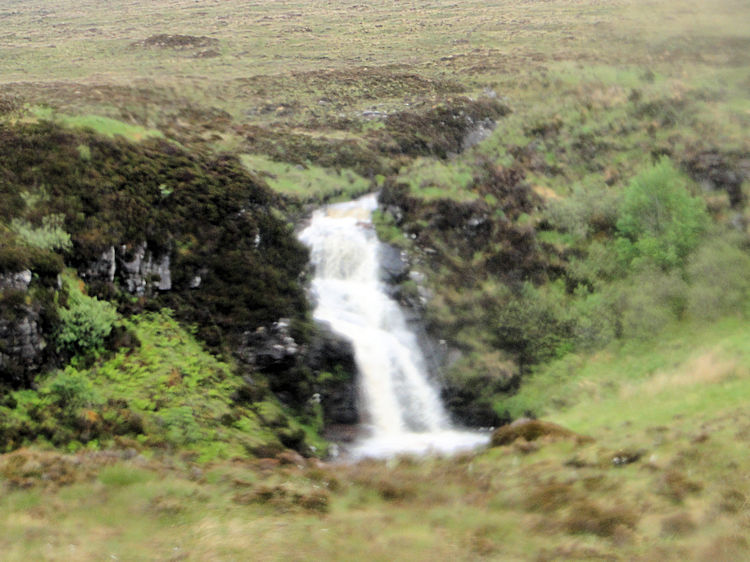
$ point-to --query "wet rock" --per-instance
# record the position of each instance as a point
(394, 265)
(333, 355)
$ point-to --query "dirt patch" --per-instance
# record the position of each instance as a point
(29, 468)
(179, 42)
(717, 171)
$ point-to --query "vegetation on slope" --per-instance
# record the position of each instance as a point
(660, 478)
(161, 391)
(586, 262)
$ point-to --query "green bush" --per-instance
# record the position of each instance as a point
(71, 389)
(658, 219)
(49, 236)
(586, 211)
(594, 320)
(532, 322)
(647, 302)
(719, 275)
(85, 322)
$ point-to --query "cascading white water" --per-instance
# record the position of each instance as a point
(403, 412)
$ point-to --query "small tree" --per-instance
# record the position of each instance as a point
(658, 218)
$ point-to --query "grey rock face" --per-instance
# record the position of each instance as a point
(21, 346)
(291, 367)
(104, 268)
(329, 352)
(478, 133)
(131, 271)
(269, 349)
(394, 266)
(19, 281)
(139, 270)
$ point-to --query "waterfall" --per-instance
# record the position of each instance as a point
(402, 409)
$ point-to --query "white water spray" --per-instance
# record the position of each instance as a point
(403, 412)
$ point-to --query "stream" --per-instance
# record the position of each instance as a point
(401, 409)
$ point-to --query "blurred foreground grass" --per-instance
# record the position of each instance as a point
(663, 479)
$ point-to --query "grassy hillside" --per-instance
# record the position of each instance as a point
(662, 480)
(569, 180)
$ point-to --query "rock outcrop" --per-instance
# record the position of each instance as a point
(18, 281)
(321, 370)
(138, 270)
(22, 343)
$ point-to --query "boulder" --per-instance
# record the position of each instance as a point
(331, 353)
(269, 350)
(531, 430)
(394, 266)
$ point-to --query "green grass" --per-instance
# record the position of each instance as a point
(103, 125)
(430, 179)
(166, 393)
(678, 373)
(308, 182)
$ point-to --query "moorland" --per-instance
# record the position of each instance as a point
(567, 182)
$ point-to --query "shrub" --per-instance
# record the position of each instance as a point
(658, 219)
(532, 322)
(49, 236)
(71, 389)
(719, 275)
(586, 211)
(647, 302)
(13, 258)
(594, 320)
(85, 323)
